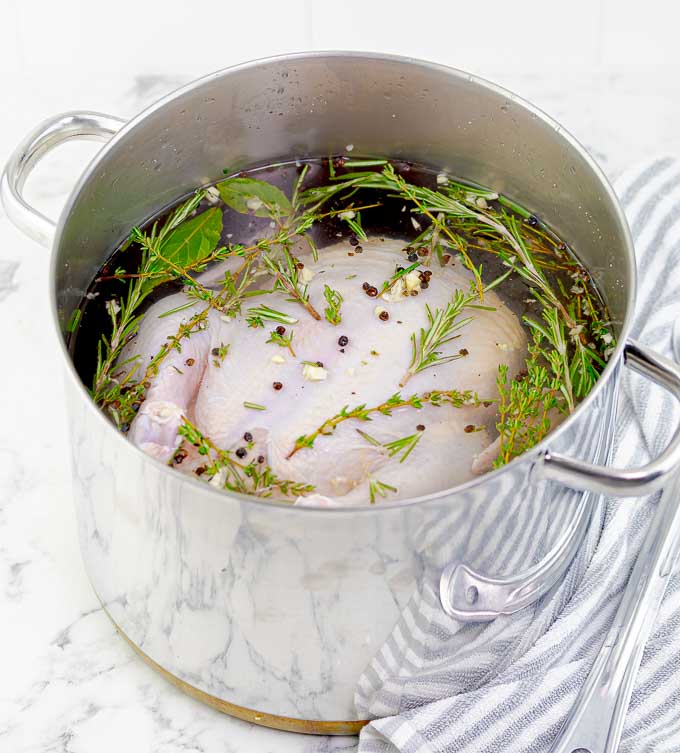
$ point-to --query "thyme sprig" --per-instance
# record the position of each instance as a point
(363, 413)
(283, 340)
(525, 403)
(227, 473)
(286, 271)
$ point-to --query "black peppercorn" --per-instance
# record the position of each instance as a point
(372, 292)
(343, 340)
(247, 437)
(366, 286)
(413, 257)
(277, 385)
(260, 458)
(353, 240)
(533, 220)
(241, 452)
(280, 330)
(384, 316)
(420, 427)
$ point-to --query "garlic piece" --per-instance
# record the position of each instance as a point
(396, 292)
(314, 373)
(212, 194)
(306, 275)
(412, 280)
(161, 411)
(218, 479)
(278, 359)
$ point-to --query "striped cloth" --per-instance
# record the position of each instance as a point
(439, 686)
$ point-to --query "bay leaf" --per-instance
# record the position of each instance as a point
(248, 195)
(192, 241)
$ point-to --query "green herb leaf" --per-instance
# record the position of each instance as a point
(247, 195)
(192, 241)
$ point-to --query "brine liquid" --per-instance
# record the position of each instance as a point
(390, 219)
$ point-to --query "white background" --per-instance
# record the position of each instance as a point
(609, 70)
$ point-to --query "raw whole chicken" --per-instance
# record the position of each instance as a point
(213, 392)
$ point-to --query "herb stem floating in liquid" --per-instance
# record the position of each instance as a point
(570, 338)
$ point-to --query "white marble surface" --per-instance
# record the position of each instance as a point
(67, 682)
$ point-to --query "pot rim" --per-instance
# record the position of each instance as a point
(527, 457)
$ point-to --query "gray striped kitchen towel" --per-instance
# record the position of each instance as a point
(438, 686)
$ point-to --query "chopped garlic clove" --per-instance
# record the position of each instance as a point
(396, 292)
(412, 280)
(314, 373)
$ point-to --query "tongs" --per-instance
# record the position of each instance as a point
(595, 722)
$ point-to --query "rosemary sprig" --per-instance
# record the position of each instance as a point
(334, 300)
(552, 331)
(442, 324)
(257, 316)
(363, 413)
(253, 406)
(405, 445)
(379, 488)
(353, 219)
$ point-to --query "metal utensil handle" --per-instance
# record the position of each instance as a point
(43, 139)
(617, 481)
(595, 722)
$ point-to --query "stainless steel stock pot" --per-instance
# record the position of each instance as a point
(272, 612)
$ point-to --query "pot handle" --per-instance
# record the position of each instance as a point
(620, 482)
(39, 142)
(469, 595)
(472, 596)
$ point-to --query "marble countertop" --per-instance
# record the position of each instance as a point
(68, 682)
